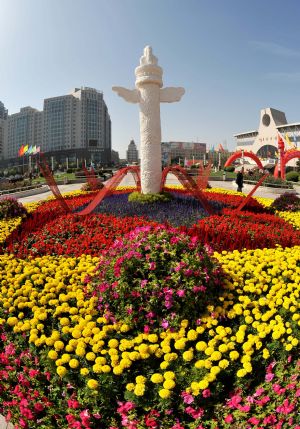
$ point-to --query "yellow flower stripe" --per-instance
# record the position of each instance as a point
(44, 299)
(291, 217)
(7, 226)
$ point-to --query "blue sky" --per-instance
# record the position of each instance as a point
(233, 57)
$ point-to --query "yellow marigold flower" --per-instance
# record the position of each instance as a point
(90, 356)
(164, 393)
(118, 370)
(139, 389)
(203, 384)
(157, 378)
(140, 379)
(295, 342)
(130, 387)
(223, 348)
(52, 354)
(192, 335)
(59, 345)
(106, 369)
(215, 370)
(200, 364)
(74, 363)
(164, 365)
(216, 355)
(169, 375)
(179, 344)
(208, 351)
(241, 373)
(188, 355)
(65, 358)
(113, 343)
(84, 371)
(223, 363)
(61, 371)
(169, 384)
(234, 355)
(92, 384)
(153, 338)
(201, 346)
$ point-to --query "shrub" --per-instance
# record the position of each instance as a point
(9, 207)
(286, 202)
(158, 276)
(230, 168)
(91, 187)
(137, 197)
(292, 176)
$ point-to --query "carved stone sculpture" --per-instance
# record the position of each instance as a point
(149, 94)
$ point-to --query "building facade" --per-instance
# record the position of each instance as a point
(3, 111)
(3, 125)
(132, 154)
(172, 151)
(263, 141)
(73, 128)
(23, 128)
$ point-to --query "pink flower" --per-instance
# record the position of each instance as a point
(152, 266)
(269, 376)
(228, 418)
(206, 393)
(165, 324)
(254, 420)
(181, 293)
(259, 391)
(187, 398)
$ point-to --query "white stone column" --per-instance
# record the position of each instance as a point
(149, 94)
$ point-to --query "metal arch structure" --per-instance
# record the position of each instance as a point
(239, 154)
(108, 188)
(44, 168)
(189, 184)
(111, 185)
(287, 156)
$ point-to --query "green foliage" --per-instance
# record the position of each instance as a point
(230, 168)
(9, 207)
(292, 176)
(137, 197)
(286, 202)
(87, 186)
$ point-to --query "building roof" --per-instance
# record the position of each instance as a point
(296, 124)
(243, 134)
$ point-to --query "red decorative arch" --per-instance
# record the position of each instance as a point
(239, 154)
(111, 185)
(288, 156)
(188, 183)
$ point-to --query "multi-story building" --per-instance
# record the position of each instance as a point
(78, 126)
(172, 151)
(3, 111)
(3, 123)
(132, 154)
(73, 128)
(23, 128)
(115, 158)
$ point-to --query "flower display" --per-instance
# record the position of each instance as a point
(119, 320)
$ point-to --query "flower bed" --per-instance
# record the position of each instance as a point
(152, 330)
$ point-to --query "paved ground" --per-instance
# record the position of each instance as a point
(128, 180)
